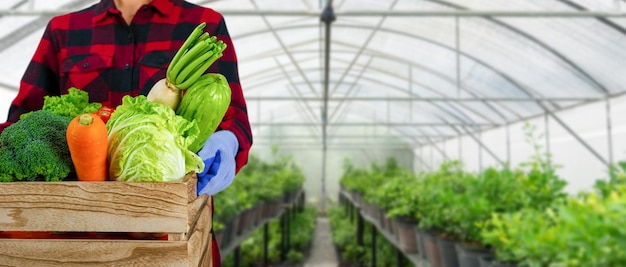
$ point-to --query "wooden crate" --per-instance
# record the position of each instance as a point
(171, 208)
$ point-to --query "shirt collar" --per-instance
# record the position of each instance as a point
(106, 7)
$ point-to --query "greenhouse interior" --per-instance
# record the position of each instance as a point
(435, 133)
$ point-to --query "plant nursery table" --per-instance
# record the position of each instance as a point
(361, 216)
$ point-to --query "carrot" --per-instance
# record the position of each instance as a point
(87, 142)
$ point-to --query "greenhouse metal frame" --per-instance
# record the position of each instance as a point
(377, 77)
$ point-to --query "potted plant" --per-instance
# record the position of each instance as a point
(441, 189)
(400, 198)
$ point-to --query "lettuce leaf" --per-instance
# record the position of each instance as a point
(72, 104)
(148, 142)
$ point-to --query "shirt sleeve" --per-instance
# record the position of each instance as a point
(236, 117)
(40, 79)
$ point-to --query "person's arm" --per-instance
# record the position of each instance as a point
(40, 79)
(236, 118)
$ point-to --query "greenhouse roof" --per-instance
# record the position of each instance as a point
(412, 71)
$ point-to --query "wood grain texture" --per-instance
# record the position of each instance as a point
(145, 208)
(16, 252)
(200, 238)
(95, 206)
(195, 209)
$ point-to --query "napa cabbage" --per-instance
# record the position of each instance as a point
(148, 142)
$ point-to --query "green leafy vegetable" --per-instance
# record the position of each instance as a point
(206, 101)
(148, 142)
(35, 148)
(72, 104)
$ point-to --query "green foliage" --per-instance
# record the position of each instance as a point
(257, 182)
(522, 212)
(344, 237)
(615, 181)
(583, 231)
(72, 104)
(389, 186)
(461, 203)
(302, 226)
(35, 148)
(443, 196)
(555, 230)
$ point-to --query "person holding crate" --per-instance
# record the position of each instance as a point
(116, 48)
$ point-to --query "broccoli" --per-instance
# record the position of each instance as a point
(35, 148)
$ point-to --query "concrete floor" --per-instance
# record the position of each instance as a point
(322, 252)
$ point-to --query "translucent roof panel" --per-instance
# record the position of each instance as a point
(410, 69)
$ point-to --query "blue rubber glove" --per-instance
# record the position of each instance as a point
(218, 154)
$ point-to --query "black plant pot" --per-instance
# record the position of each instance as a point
(431, 248)
(419, 238)
(469, 256)
(447, 252)
(405, 228)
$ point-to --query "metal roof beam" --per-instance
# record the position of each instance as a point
(313, 146)
(22, 32)
(424, 99)
(352, 136)
(367, 13)
(382, 124)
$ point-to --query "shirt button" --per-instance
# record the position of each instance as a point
(130, 36)
(127, 66)
(161, 60)
(85, 65)
(145, 8)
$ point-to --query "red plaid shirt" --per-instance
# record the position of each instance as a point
(96, 51)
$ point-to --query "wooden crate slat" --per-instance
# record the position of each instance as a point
(171, 208)
(22, 252)
(195, 209)
(96, 206)
(199, 243)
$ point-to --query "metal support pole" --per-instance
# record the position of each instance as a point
(480, 151)
(399, 257)
(421, 157)
(327, 17)
(359, 234)
(480, 143)
(359, 229)
(266, 240)
(609, 129)
(460, 147)
(236, 257)
(432, 156)
(283, 235)
(374, 232)
(546, 122)
(508, 145)
(458, 57)
(288, 231)
(573, 133)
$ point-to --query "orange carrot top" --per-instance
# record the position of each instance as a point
(87, 142)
